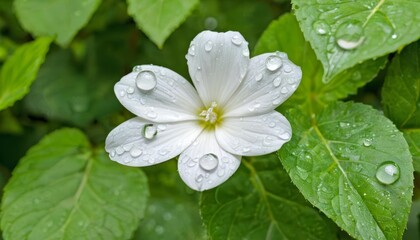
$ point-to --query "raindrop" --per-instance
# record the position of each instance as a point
(268, 141)
(127, 147)
(287, 68)
(285, 136)
(276, 82)
(273, 63)
(245, 52)
(191, 50)
(135, 152)
(161, 127)
(122, 93)
(388, 173)
(284, 90)
(210, 23)
(146, 81)
(394, 36)
(246, 149)
(349, 35)
(112, 153)
(282, 54)
(367, 142)
(258, 77)
(151, 114)
(321, 27)
(199, 178)
(130, 90)
(221, 172)
(149, 131)
(236, 40)
(208, 46)
(272, 124)
(119, 150)
(209, 162)
(163, 152)
(137, 68)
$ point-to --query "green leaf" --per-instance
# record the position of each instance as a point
(401, 90)
(363, 29)
(412, 136)
(58, 18)
(337, 159)
(20, 70)
(312, 89)
(159, 18)
(259, 202)
(64, 189)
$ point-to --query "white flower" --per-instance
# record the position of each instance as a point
(230, 115)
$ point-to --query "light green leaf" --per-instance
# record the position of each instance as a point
(345, 33)
(20, 70)
(285, 35)
(259, 202)
(412, 136)
(159, 18)
(401, 90)
(346, 161)
(58, 18)
(64, 189)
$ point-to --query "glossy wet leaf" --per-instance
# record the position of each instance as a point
(20, 70)
(259, 202)
(401, 90)
(64, 189)
(57, 18)
(412, 136)
(355, 166)
(159, 18)
(312, 89)
(346, 33)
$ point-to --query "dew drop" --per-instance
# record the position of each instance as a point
(163, 152)
(273, 62)
(137, 68)
(276, 82)
(285, 136)
(149, 131)
(258, 77)
(268, 141)
(367, 142)
(388, 173)
(112, 153)
(208, 46)
(246, 149)
(245, 52)
(287, 68)
(321, 27)
(272, 124)
(284, 90)
(199, 178)
(209, 162)
(130, 90)
(394, 36)
(349, 35)
(221, 172)
(135, 152)
(236, 40)
(146, 81)
(119, 150)
(162, 127)
(191, 50)
(122, 93)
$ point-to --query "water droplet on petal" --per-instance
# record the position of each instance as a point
(146, 81)
(163, 152)
(137, 68)
(209, 162)
(135, 152)
(284, 90)
(268, 141)
(272, 124)
(349, 35)
(285, 136)
(287, 68)
(245, 52)
(388, 173)
(149, 131)
(236, 40)
(112, 153)
(321, 27)
(130, 90)
(208, 46)
(273, 63)
(199, 178)
(122, 93)
(191, 50)
(258, 77)
(245, 149)
(276, 82)
(221, 172)
(161, 127)
(119, 150)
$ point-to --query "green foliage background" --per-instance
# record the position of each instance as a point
(355, 110)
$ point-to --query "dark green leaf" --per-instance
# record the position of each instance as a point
(312, 89)
(346, 33)
(63, 189)
(354, 165)
(58, 18)
(20, 70)
(259, 202)
(401, 90)
(159, 18)
(412, 136)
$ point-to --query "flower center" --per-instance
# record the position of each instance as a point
(211, 116)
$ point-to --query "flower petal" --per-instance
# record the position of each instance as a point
(205, 165)
(217, 63)
(270, 80)
(158, 94)
(127, 144)
(255, 135)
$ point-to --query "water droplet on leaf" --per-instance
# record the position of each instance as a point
(388, 173)
(321, 27)
(367, 142)
(349, 35)
(273, 63)
(146, 81)
(209, 162)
